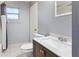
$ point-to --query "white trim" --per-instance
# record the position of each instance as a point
(33, 20)
(69, 13)
(3, 21)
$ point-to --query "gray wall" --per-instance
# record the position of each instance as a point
(18, 31)
(75, 29)
(49, 23)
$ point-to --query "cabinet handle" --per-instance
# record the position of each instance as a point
(42, 51)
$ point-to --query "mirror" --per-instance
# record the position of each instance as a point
(63, 8)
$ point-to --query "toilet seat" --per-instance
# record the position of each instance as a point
(27, 46)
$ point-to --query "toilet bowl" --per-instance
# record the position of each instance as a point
(27, 47)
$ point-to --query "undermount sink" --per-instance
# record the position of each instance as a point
(55, 43)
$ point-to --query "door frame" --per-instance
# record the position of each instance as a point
(35, 5)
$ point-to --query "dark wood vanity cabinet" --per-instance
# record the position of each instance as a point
(41, 51)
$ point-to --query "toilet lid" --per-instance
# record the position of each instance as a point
(27, 46)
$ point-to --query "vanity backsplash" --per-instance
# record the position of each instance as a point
(61, 37)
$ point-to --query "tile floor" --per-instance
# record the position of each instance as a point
(15, 51)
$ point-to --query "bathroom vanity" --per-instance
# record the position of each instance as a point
(40, 51)
(51, 47)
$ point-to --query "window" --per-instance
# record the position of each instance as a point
(12, 13)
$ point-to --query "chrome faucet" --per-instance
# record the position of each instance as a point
(62, 39)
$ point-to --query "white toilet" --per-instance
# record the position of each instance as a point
(28, 47)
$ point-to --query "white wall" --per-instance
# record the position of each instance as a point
(18, 31)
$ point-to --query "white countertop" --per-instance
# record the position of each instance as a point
(61, 50)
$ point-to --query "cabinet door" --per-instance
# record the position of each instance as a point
(34, 49)
(40, 51)
(50, 54)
